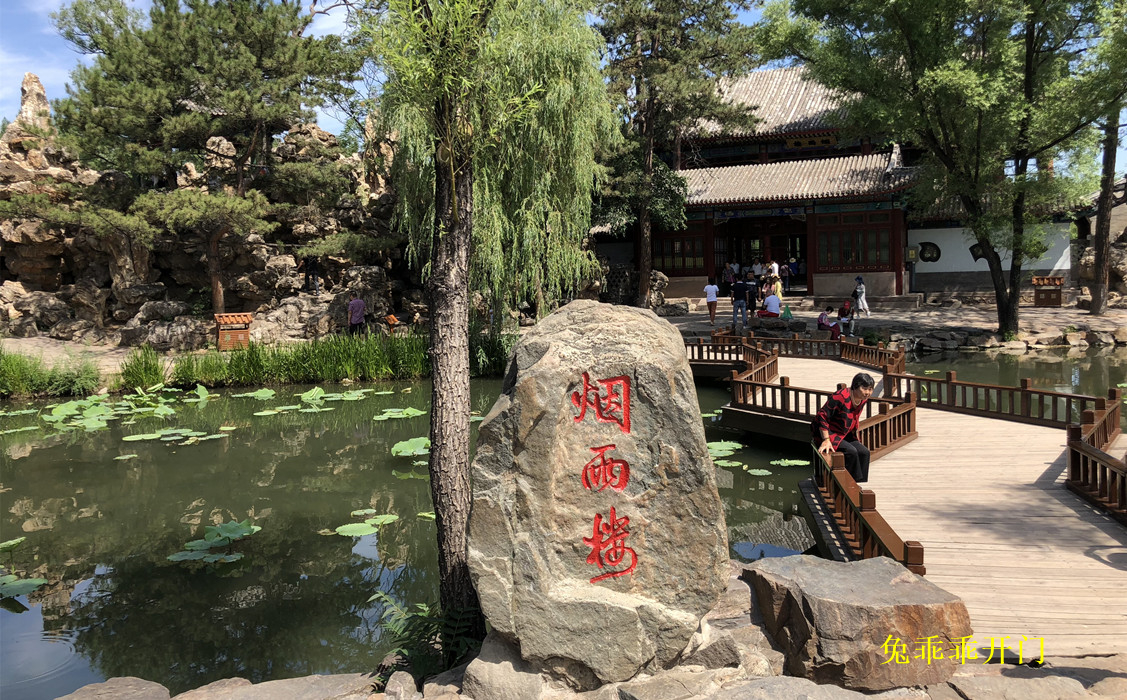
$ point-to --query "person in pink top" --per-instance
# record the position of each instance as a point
(356, 308)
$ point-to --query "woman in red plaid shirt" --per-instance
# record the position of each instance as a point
(835, 426)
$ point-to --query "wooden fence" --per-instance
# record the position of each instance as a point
(854, 509)
(853, 351)
(1022, 404)
(1093, 474)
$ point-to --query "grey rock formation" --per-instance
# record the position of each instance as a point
(785, 688)
(598, 412)
(122, 688)
(1003, 688)
(499, 673)
(44, 308)
(834, 619)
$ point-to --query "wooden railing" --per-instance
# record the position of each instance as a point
(1093, 474)
(853, 351)
(1022, 404)
(855, 511)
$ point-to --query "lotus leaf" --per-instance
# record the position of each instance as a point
(408, 475)
(421, 463)
(429, 515)
(261, 395)
(228, 427)
(935, 371)
(232, 530)
(405, 391)
(364, 511)
(11, 544)
(726, 463)
(382, 519)
(171, 438)
(723, 448)
(141, 436)
(387, 393)
(19, 430)
(791, 463)
(201, 391)
(201, 545)
(21, 412)
(356, 530)
(414, 447)
(122, 458)
(316, 409)
(266, 413)
(314, 395)
(294, 407)
(10, 586)
(476, 419)
(759, 472)
(164, 410)
(213, 436)
(186, 556)
(222, 558)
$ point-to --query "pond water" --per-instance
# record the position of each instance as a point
(100, 530)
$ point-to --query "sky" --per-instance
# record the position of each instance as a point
(29, 43)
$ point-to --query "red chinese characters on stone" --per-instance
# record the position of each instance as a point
(602, 472)
(608, 546)
(608, 398)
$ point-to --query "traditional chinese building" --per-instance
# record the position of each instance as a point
(796, 188)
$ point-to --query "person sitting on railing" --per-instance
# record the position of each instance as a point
(835, 426)
(828, 322)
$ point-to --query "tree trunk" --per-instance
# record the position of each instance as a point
(1102, 239)
(448, 296)
(214, 272)
(645, 223)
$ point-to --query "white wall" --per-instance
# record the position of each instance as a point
(954, 245)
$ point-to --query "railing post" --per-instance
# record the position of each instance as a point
(868, 501)
(1026, 398)
(914, 557)
(784, 382)
(951, 388)
(910, 397)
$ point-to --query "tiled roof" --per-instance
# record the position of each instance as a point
(786, 101)
(821, 178)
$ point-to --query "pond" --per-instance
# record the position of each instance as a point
(100, 529)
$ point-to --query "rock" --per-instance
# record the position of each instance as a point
(644, 455)
(70, 329)
(89, 301)
(1003, 688)
(22, 327)
(775, 324)
(499, 673)
(342, 686)
(676, 684)
(45, 308)
(369, 283)
(138, 294)
(731, 634)
(414, 302)
(1099, 338)
(157, 311)
(832, 619)
(929, 345)
(785, 688)
(1076, 339)
(673, 307)
(1016, 345)
(11, 290)
(123, 688)
(983, 341)
(214, 691)
(401, 686)
(449, 681)
(1121, 335)
(1114, 686)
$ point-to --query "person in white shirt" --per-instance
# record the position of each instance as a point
(710, 293)
(757, 269)
(774, 269)
(770, 306)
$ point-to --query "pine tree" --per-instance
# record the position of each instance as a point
(206, 83)
(496, 106)
(664, 60)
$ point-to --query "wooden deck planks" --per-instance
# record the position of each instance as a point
(997, 525)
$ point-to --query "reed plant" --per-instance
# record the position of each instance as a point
(143, 368)
(22, 376)
(209, 369)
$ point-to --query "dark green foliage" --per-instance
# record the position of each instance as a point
(22, 376)
(142, 368)
(489, 351)
(432, 641)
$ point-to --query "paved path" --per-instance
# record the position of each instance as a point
(986, 498)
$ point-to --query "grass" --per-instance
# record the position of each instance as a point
(142, 368)
(23, 376)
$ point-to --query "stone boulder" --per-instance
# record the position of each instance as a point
(45, 308)
(835, 620)
(157, 311)
(594, 498)
(673, 307)
(182, 333)
(371, 284)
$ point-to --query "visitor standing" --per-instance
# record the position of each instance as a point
(784, 275)
(711, 291)
(356, 308)
(859, 296)
(773, 269)
(727, 277)
(757, 268)
(312, 269)
(739, 302)
(835, 426)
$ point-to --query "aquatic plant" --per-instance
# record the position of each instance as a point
(216, 536)
(22, 376)
(142, 367)
(430, 639)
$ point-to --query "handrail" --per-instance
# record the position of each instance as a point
(1022, 404)
(1093, 474)
(854, 509)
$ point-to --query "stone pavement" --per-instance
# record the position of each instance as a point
(979, 318)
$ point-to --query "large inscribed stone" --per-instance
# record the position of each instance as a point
(596, 536)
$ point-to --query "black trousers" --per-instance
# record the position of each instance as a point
(856, 459)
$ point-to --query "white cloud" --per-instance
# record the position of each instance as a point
(331, 23)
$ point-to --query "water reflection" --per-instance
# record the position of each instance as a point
(99, 530)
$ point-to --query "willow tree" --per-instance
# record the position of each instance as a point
(495, 107)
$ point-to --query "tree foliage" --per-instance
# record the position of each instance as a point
(495, 107)
(664, 61)
(996, 94)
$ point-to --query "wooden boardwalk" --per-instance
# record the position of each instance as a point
(986, 498)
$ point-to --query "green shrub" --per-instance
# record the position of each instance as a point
(142, 368)
(21, 376)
